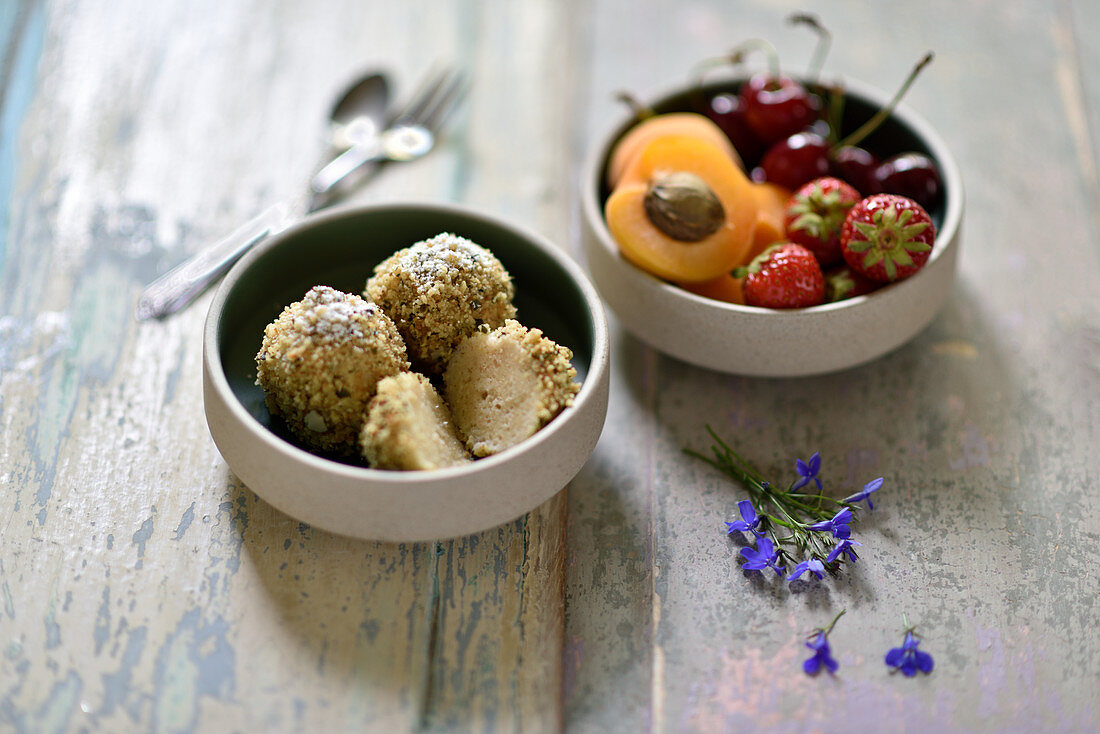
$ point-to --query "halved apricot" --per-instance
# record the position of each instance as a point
(771, 200)
(670, 123)
(723, 288)
(683, 210)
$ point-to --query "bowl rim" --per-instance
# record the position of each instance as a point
(597, 372)
(592, 206)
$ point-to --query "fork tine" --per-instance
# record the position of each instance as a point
(445, 101)
(420, 99)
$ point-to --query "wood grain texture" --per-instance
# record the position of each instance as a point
(142, 587)
(985, 536)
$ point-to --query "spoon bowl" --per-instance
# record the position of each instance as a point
(360, 112)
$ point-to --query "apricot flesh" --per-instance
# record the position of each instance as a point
(670, 123)
(643, 243)
(771, 201)
(723, 288)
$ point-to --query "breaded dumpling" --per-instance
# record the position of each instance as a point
(504, 385)
(408, 427)
(438, 292)
(320, 363)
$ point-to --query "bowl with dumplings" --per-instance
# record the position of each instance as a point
(405, 372)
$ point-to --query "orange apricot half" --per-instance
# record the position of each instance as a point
(771, 200)
(670, 123)
(683, 210)
(723, 288)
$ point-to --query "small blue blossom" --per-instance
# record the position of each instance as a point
(818, 641)
(749, 520)
(838, 524)
(865, 494)
(907, 658)
(762, 556)
(814, 566)
(843, 547)
(822, 656)
(807, 472)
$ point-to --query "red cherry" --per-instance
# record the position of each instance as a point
(857, 166)
(799, 159)
(728, 113)
(777, 107)
(912, 175)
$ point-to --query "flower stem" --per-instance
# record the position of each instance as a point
(829, 629)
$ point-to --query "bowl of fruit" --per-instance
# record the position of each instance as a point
(768, 226)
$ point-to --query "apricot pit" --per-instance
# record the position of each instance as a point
(663, 216)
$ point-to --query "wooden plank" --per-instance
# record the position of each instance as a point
(143, 586)
(982, 426)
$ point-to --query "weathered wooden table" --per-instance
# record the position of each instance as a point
(143, 588)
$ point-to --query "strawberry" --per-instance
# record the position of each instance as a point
(842, 282)
(785, 275)
(887, 237)
(815, 216)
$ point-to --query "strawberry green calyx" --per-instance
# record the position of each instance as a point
(839, 286)
(757, 263)
(815, 216)
(889, 239)
(819, 212)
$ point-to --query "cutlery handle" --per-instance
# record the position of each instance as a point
(184, 283)
(339, 168)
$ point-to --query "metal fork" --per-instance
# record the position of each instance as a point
(411, 134)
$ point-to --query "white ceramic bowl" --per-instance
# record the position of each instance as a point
(340, 248)
(775, 343)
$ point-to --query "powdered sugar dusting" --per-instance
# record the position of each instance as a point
(443, 258)
(329, 315)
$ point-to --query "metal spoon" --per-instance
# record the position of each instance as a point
(357, 118)
(360, 113)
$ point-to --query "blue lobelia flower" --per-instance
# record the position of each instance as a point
(907, 658)
(865, 494)
(762, 556)
(749, 520)
(822, 657)
(814, 566)
(807, 472)
(838, 524)
(843, 547)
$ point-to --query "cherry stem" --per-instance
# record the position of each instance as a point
(641, 111)
(823, 41)
(868, 127)
(706, 65)
(835, 114)
(737, 55)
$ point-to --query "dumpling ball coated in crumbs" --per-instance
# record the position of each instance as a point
(506, 384)
(320, 363)
(438, 292)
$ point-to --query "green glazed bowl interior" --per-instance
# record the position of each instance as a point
(341, 252)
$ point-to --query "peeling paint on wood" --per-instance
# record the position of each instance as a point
(142, 587)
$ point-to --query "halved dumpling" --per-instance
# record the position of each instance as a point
(504, 385)
(409, 428)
